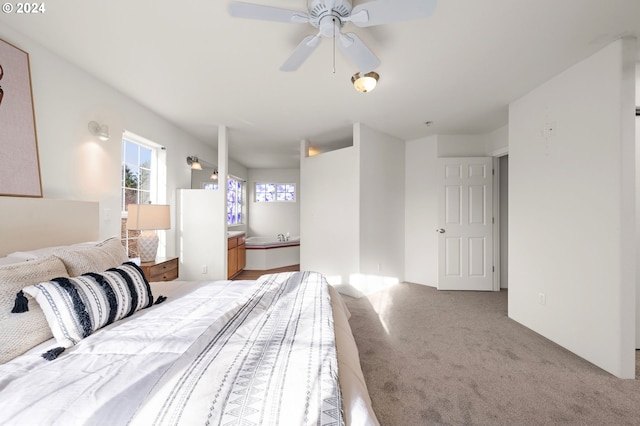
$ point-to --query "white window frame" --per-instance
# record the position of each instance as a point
(241, 200)
(275, 200)
(158, 179)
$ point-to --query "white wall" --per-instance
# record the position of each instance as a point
(73, 163)
(382, 205)
(352, 212)
(329, 214)
(638, 78)
(421, 195)
(199, 233)
(572, 209)
(462, 145)
(497, 142)
(421, 211)
(271, 219)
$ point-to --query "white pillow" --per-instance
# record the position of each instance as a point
(76, 307)
(10, 260)
(48, 251)
(114, 247)
(19, 332)
(107, 254)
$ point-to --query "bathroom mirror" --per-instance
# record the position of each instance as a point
(207, 178)
(330, 141)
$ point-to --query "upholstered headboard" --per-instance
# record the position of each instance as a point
(31, 223)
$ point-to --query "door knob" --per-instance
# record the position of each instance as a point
(440, 231)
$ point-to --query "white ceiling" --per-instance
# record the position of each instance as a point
(193, 64)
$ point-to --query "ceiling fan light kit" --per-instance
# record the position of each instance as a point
(329, 17)
(365, 82)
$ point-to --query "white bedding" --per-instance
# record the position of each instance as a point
(106, 377)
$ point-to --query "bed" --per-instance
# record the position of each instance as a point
(104, 346)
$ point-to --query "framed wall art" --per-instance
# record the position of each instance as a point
(19, 161)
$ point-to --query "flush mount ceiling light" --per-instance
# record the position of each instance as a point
(192, 160)
(365, 83)
(101, 131)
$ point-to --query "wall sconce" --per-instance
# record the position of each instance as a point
(101, 131)
(214, 175)
(192, 160)
(365, 83)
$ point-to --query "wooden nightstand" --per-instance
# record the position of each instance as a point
(163, 269)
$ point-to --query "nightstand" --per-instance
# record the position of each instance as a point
(162, 269)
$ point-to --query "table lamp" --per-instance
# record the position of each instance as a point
(148, 218)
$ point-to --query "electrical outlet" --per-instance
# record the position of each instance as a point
(205, 269)
(542, 298)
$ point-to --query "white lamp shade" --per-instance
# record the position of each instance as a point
(148, 217)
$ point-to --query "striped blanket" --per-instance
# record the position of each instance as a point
(270, 360)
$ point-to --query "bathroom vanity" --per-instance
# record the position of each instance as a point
(236, 254)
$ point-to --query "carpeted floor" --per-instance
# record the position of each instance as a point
(455, 358)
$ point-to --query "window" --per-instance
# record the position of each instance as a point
(210, 186)
(143, 181)
(136, 174)
(234, 201)
(268, 192)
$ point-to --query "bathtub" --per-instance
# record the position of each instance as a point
(268, 253)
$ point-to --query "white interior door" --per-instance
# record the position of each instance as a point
(465, 239)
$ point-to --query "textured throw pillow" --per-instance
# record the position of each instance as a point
(21, 332)
(113, 246)
(107, 254)
(47, 251)
(10, 260)
(76, 307)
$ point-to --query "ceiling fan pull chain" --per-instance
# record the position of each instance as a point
(334, 45)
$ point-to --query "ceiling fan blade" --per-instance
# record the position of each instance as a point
(267, 13)
(358, 52)
(380, 12)
(301, 53)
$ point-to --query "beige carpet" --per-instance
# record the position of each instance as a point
(455, 358)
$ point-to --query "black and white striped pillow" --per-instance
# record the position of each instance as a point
(76, 307)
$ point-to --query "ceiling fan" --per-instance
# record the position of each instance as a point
(329, 16)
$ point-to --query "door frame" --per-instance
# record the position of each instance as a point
(496, 214)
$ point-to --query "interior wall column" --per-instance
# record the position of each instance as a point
(304, 149)
(223, 173)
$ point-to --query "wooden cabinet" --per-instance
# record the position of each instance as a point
(236, 255)
(242, 255)
(162, 269)
(232, 262)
